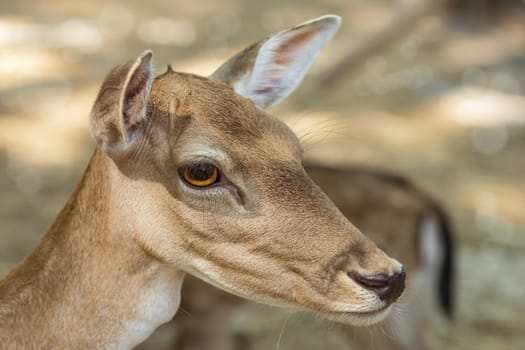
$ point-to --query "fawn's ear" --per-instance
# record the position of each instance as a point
(118, 116)
(271, 69)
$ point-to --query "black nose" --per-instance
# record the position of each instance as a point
(387, 287)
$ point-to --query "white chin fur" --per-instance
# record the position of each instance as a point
(360, 319)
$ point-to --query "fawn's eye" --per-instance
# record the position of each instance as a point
(201, 174)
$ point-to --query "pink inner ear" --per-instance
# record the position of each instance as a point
(286, 51)
(135, 97)
(269, 88)
(283, 56)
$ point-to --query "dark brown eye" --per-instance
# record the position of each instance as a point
(201, 175)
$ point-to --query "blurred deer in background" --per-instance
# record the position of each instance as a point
(404, 221)
(190, 175)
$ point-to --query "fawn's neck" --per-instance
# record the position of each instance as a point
(88, 284)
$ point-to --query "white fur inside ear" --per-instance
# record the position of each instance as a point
(284, 59)
(135, 92)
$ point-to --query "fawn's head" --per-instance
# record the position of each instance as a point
(216, 186)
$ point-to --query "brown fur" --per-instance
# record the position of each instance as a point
(389, 208)
(82, 275)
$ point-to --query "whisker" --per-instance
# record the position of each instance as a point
(318, 133)
(282, 332)
(388, 331)
(186, 312)
(371, 345)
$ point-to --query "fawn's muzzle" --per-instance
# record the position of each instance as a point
(387, 287)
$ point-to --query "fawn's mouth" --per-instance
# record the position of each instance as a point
(361, 318)
(372, 313)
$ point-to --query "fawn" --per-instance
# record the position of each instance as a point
(190, 175)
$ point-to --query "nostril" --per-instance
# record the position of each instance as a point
(373, 282)
(388, 288)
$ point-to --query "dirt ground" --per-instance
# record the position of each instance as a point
(445, 106)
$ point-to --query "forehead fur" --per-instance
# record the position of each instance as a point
(232, 119)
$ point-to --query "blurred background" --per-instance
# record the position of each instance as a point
(433, 90)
